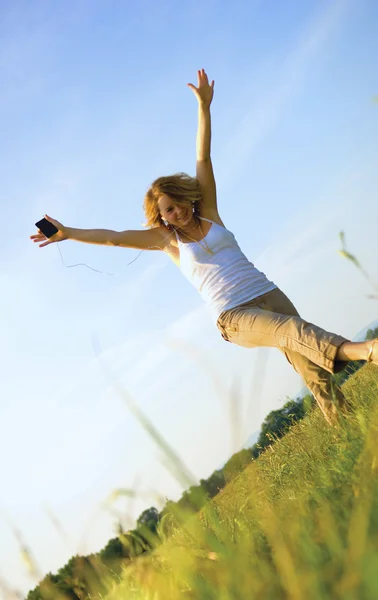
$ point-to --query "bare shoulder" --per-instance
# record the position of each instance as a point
(211, 214)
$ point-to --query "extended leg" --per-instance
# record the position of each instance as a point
(273, 321)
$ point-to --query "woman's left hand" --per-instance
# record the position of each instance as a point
(204, 92)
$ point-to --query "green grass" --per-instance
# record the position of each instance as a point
(301, 522)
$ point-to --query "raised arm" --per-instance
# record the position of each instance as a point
(156, 238)
(204, 169)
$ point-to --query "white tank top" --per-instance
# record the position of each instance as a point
(225, 278)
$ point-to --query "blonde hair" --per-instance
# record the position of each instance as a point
(180, 187)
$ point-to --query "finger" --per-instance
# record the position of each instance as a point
(53, 221)
(192, 87)
(45, 244)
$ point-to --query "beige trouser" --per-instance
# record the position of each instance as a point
(272, 320)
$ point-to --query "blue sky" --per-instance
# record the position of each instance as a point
(94, 106)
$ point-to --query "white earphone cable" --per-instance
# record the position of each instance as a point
(105, 272)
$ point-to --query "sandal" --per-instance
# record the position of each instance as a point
(372, 357)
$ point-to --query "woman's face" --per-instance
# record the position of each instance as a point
(177, 214)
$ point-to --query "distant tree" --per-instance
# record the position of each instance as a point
(91, 574)
(44, 590)
(213, 484)
(149, 518)
(68, 569)
(114, 549)
(55, 587)
(279, 421)
(371, 334)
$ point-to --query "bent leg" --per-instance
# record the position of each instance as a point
(327, 394)
(272, 320)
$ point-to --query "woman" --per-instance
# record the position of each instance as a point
(249, 310)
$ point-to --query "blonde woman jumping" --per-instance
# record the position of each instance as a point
(248, 309)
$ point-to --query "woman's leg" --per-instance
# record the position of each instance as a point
(354, 351)
(327, 394)
(272, 320)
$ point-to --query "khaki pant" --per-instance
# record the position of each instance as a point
(272, 320)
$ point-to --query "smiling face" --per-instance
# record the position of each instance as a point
(178, 214)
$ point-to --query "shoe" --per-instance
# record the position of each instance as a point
(372, 357)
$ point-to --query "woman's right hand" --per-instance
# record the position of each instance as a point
(59, 236)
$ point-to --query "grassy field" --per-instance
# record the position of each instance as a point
(301, 522)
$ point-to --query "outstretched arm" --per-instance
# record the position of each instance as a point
(149, 239)
(204, 94)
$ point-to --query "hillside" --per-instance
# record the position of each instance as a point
(299, 522)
